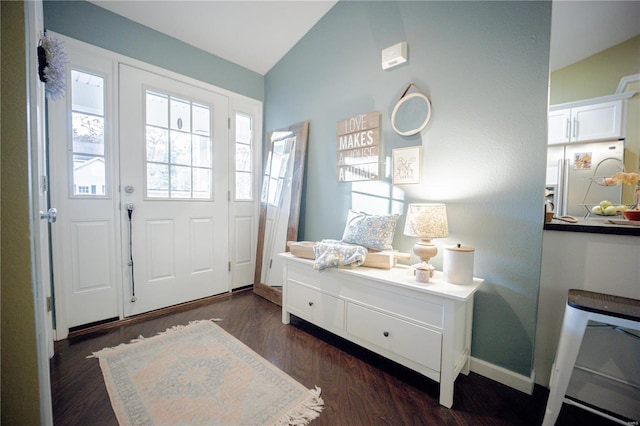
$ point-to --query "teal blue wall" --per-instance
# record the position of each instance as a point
(89, 23)
(484, 66)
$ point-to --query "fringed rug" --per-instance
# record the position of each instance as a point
(200, 375)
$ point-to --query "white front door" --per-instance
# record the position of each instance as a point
(174, 181)
(83, 150)
(112, 145)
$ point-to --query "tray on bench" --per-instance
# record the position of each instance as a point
(375, 259)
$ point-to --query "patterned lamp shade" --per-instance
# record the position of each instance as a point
(426, 221)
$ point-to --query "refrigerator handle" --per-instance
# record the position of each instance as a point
(559, 189)
(565, 186)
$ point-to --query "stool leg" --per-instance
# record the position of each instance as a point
(573, 328)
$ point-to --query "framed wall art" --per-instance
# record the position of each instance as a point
(406, 165)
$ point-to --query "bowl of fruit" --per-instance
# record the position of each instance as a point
(607, 208)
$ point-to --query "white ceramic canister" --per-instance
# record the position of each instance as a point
(457, 266)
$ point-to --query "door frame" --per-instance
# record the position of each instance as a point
(236, 99)
(38, 193)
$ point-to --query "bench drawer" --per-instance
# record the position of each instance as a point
(411, 341)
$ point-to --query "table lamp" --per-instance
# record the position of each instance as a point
(426, 221)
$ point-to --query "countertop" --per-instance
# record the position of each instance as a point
(594, 225)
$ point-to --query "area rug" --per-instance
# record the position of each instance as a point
(199, 374)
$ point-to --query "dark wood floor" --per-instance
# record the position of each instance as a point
(358, 387)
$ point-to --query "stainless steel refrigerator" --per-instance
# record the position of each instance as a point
(575, 174)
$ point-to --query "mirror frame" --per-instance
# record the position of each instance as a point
(301, 131)
(405, 98)
(421, 126)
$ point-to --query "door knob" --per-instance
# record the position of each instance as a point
(51, 215)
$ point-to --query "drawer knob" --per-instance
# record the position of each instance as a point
(310, 303)
(386, 333)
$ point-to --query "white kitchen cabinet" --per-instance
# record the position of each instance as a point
(598, 121)
(425, 327)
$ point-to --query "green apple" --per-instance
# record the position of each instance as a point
(597, 210)
(610, 211)
(604, 204)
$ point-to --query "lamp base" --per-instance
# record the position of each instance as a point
(423, 271)
(425, 250)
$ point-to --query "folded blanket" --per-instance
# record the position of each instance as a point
(336, 254)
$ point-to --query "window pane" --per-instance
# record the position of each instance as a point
(201, 183)
(201, 151)
(157, 145)
(243, 129)
(157, 109)
(243, 157)
(87, 93)
(157, 180)
(243, 186)
(180, 148)
(180, 115)
(201, 123)
(88, 133)
(88, 171)
(180, 182)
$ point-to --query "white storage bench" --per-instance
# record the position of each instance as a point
(425, 327)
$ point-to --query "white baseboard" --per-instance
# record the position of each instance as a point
(502, 375)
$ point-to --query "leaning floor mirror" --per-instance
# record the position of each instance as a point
(279, 206)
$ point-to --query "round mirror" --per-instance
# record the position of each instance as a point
(411, 114)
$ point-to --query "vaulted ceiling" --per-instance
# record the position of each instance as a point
(257, 34)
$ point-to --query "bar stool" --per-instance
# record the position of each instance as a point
(584, 306)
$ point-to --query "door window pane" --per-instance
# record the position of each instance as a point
(180, 148)
(180, 182)
(157, 109)
(180, 115)
(157, 180)
(201, 151)
(201, 120)
(201, 183)
(179, 154)
(157, 144)
(87, 135)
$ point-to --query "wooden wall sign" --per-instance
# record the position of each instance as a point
(358, 147)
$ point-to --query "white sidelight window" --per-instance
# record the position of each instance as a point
(244, 158)
(88, 138)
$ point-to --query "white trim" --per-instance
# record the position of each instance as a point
(502, 375)
(33, 16)
(592, 101)
(626, 80)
